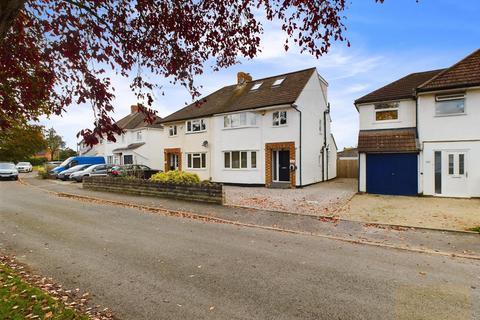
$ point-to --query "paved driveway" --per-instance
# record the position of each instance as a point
(145, 266)
(319, 199)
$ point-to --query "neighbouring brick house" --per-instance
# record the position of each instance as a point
(273, 131)
(421, 133)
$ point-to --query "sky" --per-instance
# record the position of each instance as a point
(388, 41)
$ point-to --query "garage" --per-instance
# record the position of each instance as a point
(392, 173)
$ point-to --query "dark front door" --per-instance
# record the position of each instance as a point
(283, 165)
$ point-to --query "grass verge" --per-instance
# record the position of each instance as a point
(19, 300)
(476, 229)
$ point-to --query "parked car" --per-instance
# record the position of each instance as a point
(24, 167)
(74, 161)
(8, 171)
(97, 170)
(52, 164)
(65, 174)
(132, 170)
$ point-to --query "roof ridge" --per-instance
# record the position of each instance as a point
(283, 74)
(448, 69)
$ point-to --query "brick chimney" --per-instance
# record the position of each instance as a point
(134, 108)
(243, 77)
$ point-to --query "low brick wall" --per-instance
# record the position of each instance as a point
(212, 193)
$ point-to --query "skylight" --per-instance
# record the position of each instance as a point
(278, 82)
(256, 86)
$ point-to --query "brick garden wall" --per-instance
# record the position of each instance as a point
(212, 193)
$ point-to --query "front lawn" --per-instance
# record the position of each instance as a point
(19, 300)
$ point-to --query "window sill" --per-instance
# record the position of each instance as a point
(195, 132)
(173, 136)
(386, 121)
(280, 126)
(240, 127)
(449, 115)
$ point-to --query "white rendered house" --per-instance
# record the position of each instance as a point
(139, 144)
(421, 134)
(273, 131)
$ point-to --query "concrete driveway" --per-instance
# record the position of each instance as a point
(319, 199)
(145, 266)
(429, 212)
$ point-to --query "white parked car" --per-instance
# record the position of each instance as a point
(24, 167)
(8, 171)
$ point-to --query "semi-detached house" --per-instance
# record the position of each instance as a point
(273, 131)
(137, 145)
(421, 134)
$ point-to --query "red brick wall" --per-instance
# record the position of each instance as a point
(269, 147)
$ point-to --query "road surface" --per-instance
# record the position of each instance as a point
(146, 266)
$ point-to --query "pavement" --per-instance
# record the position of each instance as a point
(151, 266)
(415, 239)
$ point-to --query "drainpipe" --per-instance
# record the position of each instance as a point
(324, 148)
(295, 107)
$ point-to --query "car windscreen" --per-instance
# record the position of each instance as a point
(64, 163)
(23, 164)
(7, 166)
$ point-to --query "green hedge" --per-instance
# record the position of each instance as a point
(175, 177)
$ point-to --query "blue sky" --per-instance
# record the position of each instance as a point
(388, 41)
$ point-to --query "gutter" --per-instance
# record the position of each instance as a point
(324, 148)
(295, 107)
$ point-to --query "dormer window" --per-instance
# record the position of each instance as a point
(451, 104)
(256, 86)
(386, 111)
(278, 82)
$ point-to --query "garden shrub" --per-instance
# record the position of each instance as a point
(175, 176)
(42, 173)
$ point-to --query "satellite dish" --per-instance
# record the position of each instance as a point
(205, 143)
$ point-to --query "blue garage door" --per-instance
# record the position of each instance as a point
(392, 173)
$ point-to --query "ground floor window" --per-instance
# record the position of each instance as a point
(196, 160)
(240, 159)
(128, 159)
(110, 159)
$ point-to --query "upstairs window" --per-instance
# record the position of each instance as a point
(139, 135)
(172, 131)
(279, 118)
(386, 111)
(239, 120)
(278, 82)
(197, 125)
(256, 86)
(449, 104)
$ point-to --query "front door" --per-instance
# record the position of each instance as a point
(280, 167)
(173, 161)
(454, 174)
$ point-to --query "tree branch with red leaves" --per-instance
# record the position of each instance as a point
(57, 53)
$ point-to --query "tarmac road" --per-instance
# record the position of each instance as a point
(146, 266)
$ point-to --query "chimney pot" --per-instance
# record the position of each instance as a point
(243, 77)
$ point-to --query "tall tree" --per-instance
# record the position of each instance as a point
(20, 143)
(54, 142)
(66, 153)
(55, 53)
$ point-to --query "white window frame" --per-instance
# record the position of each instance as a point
(276, 122)
(248, 154)
(450, 97)
(392, 106)
(196, 155)
(138, 135)
(172, 130)
(234, 120)
(190, 123)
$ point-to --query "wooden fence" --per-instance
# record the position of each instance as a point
(347, 168)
